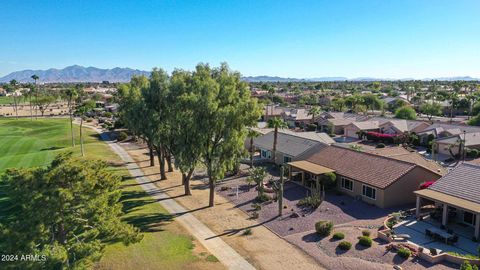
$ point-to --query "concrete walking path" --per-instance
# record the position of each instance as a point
(215, 245)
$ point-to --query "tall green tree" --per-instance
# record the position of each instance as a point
(12, 88)
(406, 112)
(155, 98)
(372, 102)
(252, 134)
(186, 146)
(134, 114)
(35, 92)
(224, 111)
(46, 99)
(314, 111)
(70, 95)
(66, 212)
(82, 111)
(431, 109)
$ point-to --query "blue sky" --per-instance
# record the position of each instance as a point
(297, 38)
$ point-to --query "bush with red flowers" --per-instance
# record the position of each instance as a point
(425, 185)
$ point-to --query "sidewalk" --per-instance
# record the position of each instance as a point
(215, 245)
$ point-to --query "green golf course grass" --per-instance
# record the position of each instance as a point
(9, 100)
(26, 143)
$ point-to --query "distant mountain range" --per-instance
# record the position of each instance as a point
(359, 79)
(77, 73)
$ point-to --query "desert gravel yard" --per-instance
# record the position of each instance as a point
(350, 217)
(340, 209)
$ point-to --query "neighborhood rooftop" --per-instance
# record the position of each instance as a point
(462, 182)
(292, 143)
(371, 169)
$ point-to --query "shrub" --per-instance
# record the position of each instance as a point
(256, 207)
(263, 198)
(122, 136)
(107, 114)
(311, 127)
(391, 222)
(254, 215)
(433, 251)
(338, 236)
(404, 253)
(247, 232)
(366, 233)
(381, 145)
(365, 241)
(345, 245)
(311, 201)
(467, 266)
(211, 258)
(324, 228)
(472, 153)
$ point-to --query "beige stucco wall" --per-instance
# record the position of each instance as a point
(350, 131)
(442, 148)
(357, 192)
(401, 191)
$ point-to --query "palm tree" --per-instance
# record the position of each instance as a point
(82, 111)
(276, 123)
(35, 78)
(453, 100)
(314, 111)
(13, 84)
(252, 134)
(71, 94)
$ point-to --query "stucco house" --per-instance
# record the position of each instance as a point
(457, 196)
(452, 143)
(378, 180)
(335, 122)
(352, 129)
(289, 144)
(297, 117)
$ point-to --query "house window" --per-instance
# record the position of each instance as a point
(286, 159)
(347, 184)
(469, 218)
(369, 192)
(266, 154)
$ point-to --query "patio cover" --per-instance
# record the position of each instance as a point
(310, 167)
(448, 199)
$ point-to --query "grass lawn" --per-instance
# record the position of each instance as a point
(25, 143)
(9, 100)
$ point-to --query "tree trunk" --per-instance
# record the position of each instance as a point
(71, 125)
(150, 154)
(211, 183)
(168, 156)
(275, 136)
(251, 152)
(161, 161)
(36, 104)
(15, 105)
(81, 137)
(186, 181)
(31, 108)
